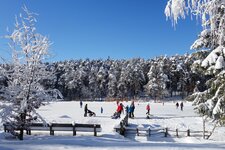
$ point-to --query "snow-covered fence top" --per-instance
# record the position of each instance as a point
(74, 127)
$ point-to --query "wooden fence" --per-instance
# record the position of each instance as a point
(140, 131)
(74, 128)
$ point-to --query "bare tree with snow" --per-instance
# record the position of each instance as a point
(24, 93)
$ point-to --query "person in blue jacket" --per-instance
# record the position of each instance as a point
(131, 109)
(127, 109)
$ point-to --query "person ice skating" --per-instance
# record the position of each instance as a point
(120, 108)
(132, 107)
(89, 112)
(181, 106)
(101, 110)
(129, 112)
(148, 109)
(85, 110)
(177, 105)
(81, 104)
(118, 111)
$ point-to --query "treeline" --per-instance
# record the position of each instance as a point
(134, 78)
(156, 78)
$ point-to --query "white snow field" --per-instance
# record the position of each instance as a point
(161, 116)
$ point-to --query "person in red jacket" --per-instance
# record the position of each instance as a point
(119, 108)
(148, 109)
(118, 111)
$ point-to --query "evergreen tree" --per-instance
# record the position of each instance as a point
(212, 17)
(156, 85)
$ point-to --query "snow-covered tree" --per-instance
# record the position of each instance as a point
(212, 38)
(24, 92)
(138, 78)
(102, 76)
(122, 85)
(91, 79)
(113, 79)
(156, 86)
(93, 85)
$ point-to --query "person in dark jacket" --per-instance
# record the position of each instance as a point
(81, 104)
(89, 112)
(85, 110)
(181, 106)
(177, 105)
(101, 110)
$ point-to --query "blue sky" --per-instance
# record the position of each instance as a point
(120, 29)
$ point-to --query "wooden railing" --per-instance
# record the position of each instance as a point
(52, 127)
(164, 131)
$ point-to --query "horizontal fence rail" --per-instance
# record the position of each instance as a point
(52, 127)
(157, 131)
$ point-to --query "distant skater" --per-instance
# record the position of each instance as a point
(81, 104)
(101, 110)
(131, 110)
(85, 110)
(181, 106)
(177, 105)
(148, 109)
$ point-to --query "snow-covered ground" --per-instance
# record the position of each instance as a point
(162, 116)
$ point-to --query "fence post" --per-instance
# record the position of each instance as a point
(27, 131)
(137, 132)
(188, 132)
(51, 131)
(166, 132)
(4, 127)
(74, 130)
(177, 132)
(149, 132)
(95, 132)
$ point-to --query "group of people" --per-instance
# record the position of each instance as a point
(181, 106)
(120, 109)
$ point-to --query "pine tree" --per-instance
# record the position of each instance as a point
(156, 85)
(210, 102)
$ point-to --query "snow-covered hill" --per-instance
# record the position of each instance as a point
(162, 116)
